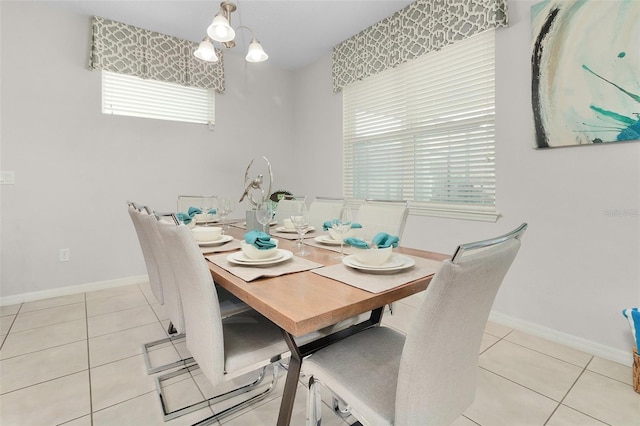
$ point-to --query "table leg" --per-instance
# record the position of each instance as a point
(297, 353)
(291, 383)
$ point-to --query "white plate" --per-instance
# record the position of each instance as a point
(223, 239)
(396, 262)
(325, 239)
(239, 258)
(293, 231)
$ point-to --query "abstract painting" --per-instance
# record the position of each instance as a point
(585, 63)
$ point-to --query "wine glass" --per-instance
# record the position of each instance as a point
(264, 213)
(301, 223)
(342, 225)
(226, 207)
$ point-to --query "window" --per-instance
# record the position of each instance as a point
(129, 95)
(424, 132)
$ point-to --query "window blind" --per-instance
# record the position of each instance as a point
(424, 132)
(129, 95)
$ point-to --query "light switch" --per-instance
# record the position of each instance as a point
(7, 178)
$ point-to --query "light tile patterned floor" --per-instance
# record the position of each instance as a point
(76, 360)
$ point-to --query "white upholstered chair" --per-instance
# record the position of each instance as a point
(200, 201)
(382, 216)
(223, 348)
(323, 209)
(429, 376)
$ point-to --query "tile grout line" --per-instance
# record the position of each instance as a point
(86, 311)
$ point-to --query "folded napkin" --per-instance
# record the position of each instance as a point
(384, 240)
(329, 224)
(194, 211)
(633, 316)
(259, 239)
(184, 218)
(356, 242)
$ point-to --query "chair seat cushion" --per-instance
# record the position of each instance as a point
(250, 341)
(362, 370)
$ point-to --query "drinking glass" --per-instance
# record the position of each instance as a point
(342, 225)
(301, 223)
(264, 213)
(226, 208)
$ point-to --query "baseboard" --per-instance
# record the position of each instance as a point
(584, 345)
(74, 289)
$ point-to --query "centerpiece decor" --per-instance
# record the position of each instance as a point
(250, 187)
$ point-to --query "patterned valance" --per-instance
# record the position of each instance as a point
(126, 49)
(421, 27)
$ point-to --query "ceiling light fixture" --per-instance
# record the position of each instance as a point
(221, 31)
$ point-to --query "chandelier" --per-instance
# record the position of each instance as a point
(221, 31)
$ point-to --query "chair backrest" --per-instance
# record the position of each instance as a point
(172, 301)
(200, 201)
(323, 209)
(201, 307)
(382, 216)
(438, 368)
(285, 208)
(136, 214)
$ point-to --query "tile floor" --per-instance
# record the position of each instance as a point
(76, 360)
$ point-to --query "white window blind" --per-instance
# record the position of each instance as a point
(424, 132)
(129, 95)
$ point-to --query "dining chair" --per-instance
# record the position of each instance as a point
(199, 201)
(323, 209)
(135, 212)
(285, 208)
(224, 348)
(427, 377)
(382, 216)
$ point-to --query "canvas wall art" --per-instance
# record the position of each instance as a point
(585, 86)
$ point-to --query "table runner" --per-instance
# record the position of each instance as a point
(250, 273)
(377, 283)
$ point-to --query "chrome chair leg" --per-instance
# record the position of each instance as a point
(170, 415)
(146, 349)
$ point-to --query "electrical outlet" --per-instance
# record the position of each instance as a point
(65, 255)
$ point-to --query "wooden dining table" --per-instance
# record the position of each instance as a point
(305, 302)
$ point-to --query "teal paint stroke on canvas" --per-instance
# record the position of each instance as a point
(585, 71)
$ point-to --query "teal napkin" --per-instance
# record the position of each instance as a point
(184, 218)
(212, 211)
(193, 211)
(259, 239)
(633, 316)
(384, 240)
(356, 242)
(329, 224)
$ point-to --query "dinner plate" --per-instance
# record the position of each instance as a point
(223, 239)
(207, 220)
(396, 262)
(325, 239)
(292, 230)
(239, 258)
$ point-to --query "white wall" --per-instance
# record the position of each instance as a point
(578, 266)
(76, 167)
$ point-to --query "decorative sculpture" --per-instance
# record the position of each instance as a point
(253, 184)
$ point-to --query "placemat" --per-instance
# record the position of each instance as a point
(313, 243)
(377, 283)
(250, 273)
(291, 235)
(231, 245)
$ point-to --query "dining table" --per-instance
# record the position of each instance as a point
(317, 292)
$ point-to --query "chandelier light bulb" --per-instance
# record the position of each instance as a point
(220, 30)
(206, 51)
(256, 53)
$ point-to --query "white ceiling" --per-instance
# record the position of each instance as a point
(294, 33)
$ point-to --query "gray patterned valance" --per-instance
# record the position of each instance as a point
(130, 50)
(421, 27)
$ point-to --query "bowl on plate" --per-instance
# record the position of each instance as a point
(336, 235)
(253, 252)
(204, 217)
(288, 224)
(372, 256)
(206, 233)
